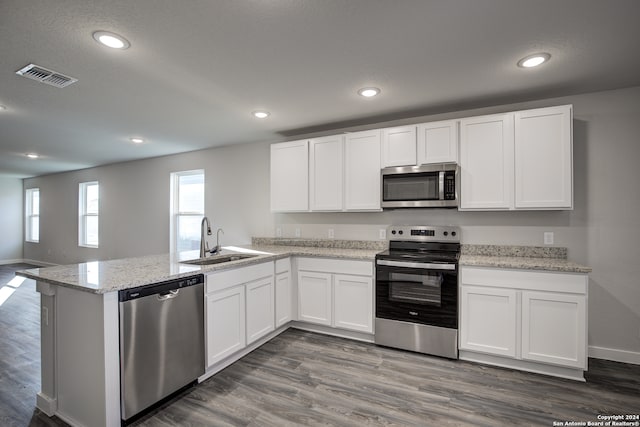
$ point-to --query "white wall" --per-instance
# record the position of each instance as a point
(10, 220)
(603, 231)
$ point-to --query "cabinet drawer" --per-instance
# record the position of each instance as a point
(225, 279)
(336, 266)
(283, 265)
(575, 283)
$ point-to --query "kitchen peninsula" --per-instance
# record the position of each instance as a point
(80, 322)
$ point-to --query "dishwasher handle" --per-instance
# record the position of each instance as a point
(169, 295)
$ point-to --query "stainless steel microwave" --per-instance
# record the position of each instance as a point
(426, 186)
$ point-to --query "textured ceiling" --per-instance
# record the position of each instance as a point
(196, 69)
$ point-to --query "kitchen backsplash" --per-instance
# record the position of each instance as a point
(320, 243)
(515, 251)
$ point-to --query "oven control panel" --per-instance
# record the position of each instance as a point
(424, 233)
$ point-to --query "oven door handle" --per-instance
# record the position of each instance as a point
(420, 265)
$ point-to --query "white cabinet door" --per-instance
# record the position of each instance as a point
(486, 162)
(225, 323)
(314, 297)
(362, 171)
(554, 328)
(543, 158)
(283, 298)
(326, 171)
(260, 313)
(399, 146)
(290, 176)
(488, 320)
(353, 302)
(438, 142)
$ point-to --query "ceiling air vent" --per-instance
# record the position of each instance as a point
(43, 75)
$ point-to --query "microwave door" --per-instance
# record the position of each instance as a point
(412, 187)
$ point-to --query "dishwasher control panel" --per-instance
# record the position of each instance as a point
(159, 288)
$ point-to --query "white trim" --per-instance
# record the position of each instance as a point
(616, 355)
(26, 261)
(46, 404)
(336, 332)
(11, 261)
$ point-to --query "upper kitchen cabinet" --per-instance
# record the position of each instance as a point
(326, 173)
(486, 162)
(543, 158)
(520, 160)
(290, 176)
(438, 142)
(399, 146)
(362, 170)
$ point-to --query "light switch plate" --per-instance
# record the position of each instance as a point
(331, 233)
(548, 237)
(297, 232)
(382, 233)
(278, 232)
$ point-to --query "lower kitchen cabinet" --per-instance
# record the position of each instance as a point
(314, 297)
(336, 293)
(351, 307)
(531, 320)
(225, 313)
(239, 309)
(488, 320)
(260, 320)
(284, 292)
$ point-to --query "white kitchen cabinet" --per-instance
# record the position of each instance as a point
(362, 171)
(260, 308)
(240, 309)
(225, 313)
(399, 146)
(336, 293)
(290, 176)
(314, 297)
(353, 302)
(437, 142)
(553, 328)
(525, 319)
(543, 158)
(326, 171)
(488, 320)
(486, 162)
(284, 292)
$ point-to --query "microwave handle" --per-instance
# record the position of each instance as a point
(441, 185)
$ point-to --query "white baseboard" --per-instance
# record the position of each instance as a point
(38, 263)
(623, 356)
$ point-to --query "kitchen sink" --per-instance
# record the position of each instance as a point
(218, 259)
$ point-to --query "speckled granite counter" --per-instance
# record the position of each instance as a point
(520, 257)
(114, 275)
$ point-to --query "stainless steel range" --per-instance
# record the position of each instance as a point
(417, 290)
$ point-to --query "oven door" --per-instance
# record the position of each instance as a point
(417, 292)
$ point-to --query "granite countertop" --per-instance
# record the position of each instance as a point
(520, 258)
(114, 275)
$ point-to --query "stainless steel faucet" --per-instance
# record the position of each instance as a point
(204, 247)
(217, 248)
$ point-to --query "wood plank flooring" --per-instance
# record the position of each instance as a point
(302, 378)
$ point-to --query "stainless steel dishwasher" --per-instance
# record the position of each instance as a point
(161, 341)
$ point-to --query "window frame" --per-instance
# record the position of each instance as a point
(83, 214)
(30, 215)
(174, 209)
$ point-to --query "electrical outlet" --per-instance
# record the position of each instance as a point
(297, 232)
(548, 237)
(382, 233)
(330, 233)
(278, 232)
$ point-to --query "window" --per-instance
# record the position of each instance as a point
(32, 213)
(187, 209)
(88, 209)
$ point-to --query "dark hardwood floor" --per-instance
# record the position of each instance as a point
(302, 378)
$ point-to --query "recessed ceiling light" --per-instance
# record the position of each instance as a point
(111, 40)
(261, 114)
(369, 92)
(534, 60)
(137, 140)
(32, 155)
